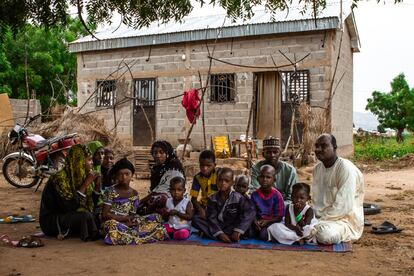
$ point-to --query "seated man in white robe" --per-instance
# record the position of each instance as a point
(337, 195)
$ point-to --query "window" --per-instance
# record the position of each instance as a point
(106, 93)
(295, 86)
(144, 92)
(222, 88)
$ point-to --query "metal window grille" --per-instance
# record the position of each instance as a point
(106, 93)
(295, 86)
(222, 88)
(144, 92)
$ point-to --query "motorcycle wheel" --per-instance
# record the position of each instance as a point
(19, 177)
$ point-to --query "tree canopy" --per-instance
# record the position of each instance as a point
(47, 13)
(41, 55)
(395, 109)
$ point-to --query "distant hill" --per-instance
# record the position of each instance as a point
(365, 120)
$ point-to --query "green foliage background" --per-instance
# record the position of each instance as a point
(381, 148)
(49, 62)
(394, 109)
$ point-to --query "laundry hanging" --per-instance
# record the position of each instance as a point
(190, 102)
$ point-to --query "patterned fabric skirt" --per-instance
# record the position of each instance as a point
(149, 229)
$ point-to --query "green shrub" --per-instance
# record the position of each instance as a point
(381, 148)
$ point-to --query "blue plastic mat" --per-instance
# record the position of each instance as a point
(194, 239)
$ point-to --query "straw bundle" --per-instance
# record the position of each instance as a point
(315, 122)
(89, 128)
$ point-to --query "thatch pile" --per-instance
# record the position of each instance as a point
(315, 122)
(89, 128)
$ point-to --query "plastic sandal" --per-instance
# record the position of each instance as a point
(5, 239)
(30, 242)
(385, 228)
(13, 219)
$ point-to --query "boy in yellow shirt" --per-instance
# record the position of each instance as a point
(205, 181)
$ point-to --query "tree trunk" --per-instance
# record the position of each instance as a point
(400, 137)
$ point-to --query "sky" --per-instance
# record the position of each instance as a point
(387, 47)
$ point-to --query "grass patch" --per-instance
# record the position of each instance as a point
(381, 148)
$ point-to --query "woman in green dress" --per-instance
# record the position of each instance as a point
(70, 197)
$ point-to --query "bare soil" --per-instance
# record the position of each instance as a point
(391, 254)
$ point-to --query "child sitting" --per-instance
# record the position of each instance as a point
(299, 219)
(205, 180)
(121, 225)
(179, 210)
(229, 214)
(268, 202)
(242, 185)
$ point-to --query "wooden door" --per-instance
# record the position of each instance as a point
(144, 112)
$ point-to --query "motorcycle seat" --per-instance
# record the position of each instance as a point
(47, 142)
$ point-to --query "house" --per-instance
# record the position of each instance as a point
(164, 60)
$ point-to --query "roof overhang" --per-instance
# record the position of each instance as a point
(353, 31)
(210, 34)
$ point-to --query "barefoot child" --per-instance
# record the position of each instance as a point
(121, 224)
(242, 185)
(268, 202)
(179, 210)
(299, 219)
(229, 215)
(205, 180)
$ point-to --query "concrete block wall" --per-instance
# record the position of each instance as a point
(175, 75)
(19, 107)
(220, 119)
(342, 101)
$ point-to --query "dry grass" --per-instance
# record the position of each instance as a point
(314, 121)
(89, 127)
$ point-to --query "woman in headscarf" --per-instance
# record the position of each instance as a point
(98, 154)
(167, 166)
(122, 226)
(69, 198)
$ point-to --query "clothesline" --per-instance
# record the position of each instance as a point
(179, 95)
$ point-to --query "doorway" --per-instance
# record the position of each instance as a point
(144, 112)
(267, 115)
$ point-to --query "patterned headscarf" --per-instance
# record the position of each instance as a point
(71, 177)
(172, 163)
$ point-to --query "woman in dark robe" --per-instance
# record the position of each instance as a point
(167, 166)
(70, 197)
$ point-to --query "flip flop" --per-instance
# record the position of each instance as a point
(5, 239)
(371, 209)
(385, 228)
(30, 242)
(14, 219)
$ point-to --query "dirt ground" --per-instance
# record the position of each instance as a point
(390, 254)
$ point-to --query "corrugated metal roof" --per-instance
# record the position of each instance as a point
(206, 27)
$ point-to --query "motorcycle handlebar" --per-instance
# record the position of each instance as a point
(31, 119)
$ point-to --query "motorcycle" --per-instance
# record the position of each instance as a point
(36, 157)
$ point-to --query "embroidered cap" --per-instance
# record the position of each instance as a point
(271, 142)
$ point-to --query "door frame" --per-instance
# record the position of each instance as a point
(155, 109)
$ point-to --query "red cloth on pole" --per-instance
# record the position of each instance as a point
(190, 103)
